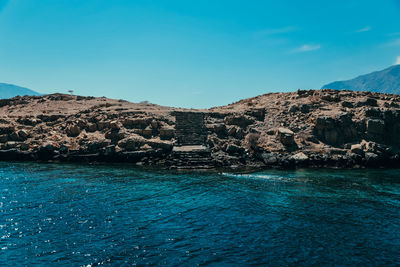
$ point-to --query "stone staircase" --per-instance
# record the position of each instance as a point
(190, 150)
(190, 128)
(191, 157)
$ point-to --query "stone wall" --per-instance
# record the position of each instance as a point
(189, 128)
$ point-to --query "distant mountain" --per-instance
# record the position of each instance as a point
(10, 90)
(385, 81)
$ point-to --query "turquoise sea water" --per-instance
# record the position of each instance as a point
(74, 215)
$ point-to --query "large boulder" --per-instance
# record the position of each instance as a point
(335, 130)
(269, 158)
(299, 158)
(239, 120)
(286, 136)
(131, 143)
(73, 130)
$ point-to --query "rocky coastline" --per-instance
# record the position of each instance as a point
(307, 128)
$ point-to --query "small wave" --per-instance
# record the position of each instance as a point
(256, 176)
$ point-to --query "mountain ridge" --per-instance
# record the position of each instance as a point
(8, 90)
(384, 81)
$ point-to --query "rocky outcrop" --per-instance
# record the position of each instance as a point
(286, 136)
(308, 128)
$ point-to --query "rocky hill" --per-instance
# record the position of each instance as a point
(385, 81)
(10, 90)
(312, 128)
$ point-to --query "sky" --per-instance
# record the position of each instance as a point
(193, 54)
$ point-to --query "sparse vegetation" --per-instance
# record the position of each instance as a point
(252, 141)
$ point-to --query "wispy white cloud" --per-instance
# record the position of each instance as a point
(307, 48)
(275, 31)
(397, 61)
(365, 29)
(394, 42)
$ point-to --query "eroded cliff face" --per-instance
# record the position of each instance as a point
(304, 128)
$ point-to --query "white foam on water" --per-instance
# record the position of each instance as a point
(257, 176)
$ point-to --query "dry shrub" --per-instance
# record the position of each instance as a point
(252, 141)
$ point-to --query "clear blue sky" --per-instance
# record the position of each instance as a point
(193, 53)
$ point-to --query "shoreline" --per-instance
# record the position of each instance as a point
(15, 156)
(313, 128)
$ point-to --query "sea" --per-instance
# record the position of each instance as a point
(122, 215)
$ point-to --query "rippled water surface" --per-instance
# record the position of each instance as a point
(73, 215)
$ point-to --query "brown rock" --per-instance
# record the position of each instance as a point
(286, 136)
(239, 120)
(91, 127)
(158, 144)
(167, 133)
(132, 142)
(101, 125)
(148, 132)
(114, 135)
(73, 130)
